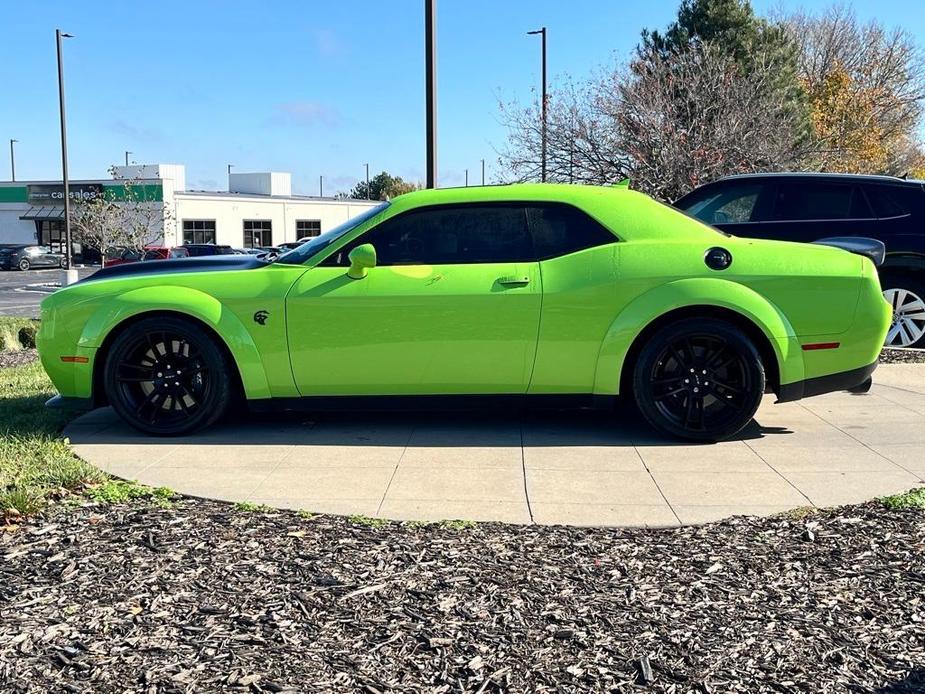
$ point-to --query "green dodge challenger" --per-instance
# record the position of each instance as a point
(561, 293)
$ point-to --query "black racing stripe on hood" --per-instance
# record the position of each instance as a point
(215, 263)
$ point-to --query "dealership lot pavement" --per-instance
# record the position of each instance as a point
(547, 468)
(22, 292)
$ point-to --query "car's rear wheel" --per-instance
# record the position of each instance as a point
(905, 292)
(166, 376)
(700, 379)
(24, 264)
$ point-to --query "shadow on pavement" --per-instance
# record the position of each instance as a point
(620, 427)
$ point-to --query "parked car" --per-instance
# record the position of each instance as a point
(810, 206)
(574, 294)
(289, 245)
(120, 256)
(28, 256)
(124, 256)
(197, 250)
(164, 253)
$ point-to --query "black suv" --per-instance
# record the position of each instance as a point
(810, 206)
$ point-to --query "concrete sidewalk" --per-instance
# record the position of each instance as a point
(581, 468)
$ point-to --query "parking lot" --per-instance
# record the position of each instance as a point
(22, 292)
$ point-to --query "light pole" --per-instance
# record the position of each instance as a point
(542, 33)
(229, 169)
(12, 160)
(59, 35)
(430, 88)
(483, 172)
(126, 156)
(321, 186)
(467, 178)
(367, 182)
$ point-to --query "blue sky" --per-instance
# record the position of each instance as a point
(315, 88)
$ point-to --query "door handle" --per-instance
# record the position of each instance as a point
(514, 281)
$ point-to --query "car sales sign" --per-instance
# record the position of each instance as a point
(45, 194)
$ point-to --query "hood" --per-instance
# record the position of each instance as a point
(211, 263)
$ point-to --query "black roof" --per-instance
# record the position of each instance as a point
(803, 175)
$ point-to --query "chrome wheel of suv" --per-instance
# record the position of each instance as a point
(908, 324)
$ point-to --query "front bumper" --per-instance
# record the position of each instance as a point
(843, 380)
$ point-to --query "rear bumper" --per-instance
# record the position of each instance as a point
(843, 380)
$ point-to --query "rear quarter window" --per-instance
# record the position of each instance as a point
(895, 201)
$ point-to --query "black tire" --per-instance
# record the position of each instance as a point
(146, 386)
(905, 292)
(25, 265)
(699, 379)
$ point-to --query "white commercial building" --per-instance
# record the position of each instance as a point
(258, 209)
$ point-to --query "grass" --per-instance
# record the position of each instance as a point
(36, 463)
(914, 498)
(248, 507)
(9, 332)
(115, 491)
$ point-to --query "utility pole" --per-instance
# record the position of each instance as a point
(467, 178)
(430, 88)
(483, 172)
(59, 35)
(367, 181)
(542, 33)
(126, 156)
(12, 160)
(321, 186)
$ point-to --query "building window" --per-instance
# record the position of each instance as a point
(305, 228)
(257, 233)
(198, 231)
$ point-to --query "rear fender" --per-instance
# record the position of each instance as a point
(190, 302)
(692, 292)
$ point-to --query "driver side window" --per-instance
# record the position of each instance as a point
(459, 234)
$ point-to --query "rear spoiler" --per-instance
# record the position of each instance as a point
(869, 248)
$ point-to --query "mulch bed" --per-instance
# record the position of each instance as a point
(203, 597)
(20, 358)
(891, 355)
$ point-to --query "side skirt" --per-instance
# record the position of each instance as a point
(412, 403)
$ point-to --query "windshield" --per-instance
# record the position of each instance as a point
(300, 254)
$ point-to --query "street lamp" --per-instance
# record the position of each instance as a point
(467, 178)
(321, 186)
(542, 33)
(59, 35)
(367, 182)
(12, 160)
(126, 156)
(483, 172)
(430, 88)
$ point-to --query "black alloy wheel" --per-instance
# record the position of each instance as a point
(166, 376)
(699, 379)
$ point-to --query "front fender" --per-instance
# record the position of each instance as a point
(685, 293)
(190, 302)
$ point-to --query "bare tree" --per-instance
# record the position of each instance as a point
(581, 137)
(693, 116)
(132, 218)
(669, 122)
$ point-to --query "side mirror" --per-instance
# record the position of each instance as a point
(361, 259)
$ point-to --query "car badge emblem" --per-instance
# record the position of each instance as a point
(261, 317)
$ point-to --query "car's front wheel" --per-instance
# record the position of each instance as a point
(905, 292)
(166, 376)
(24, 264)
(699, 378)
